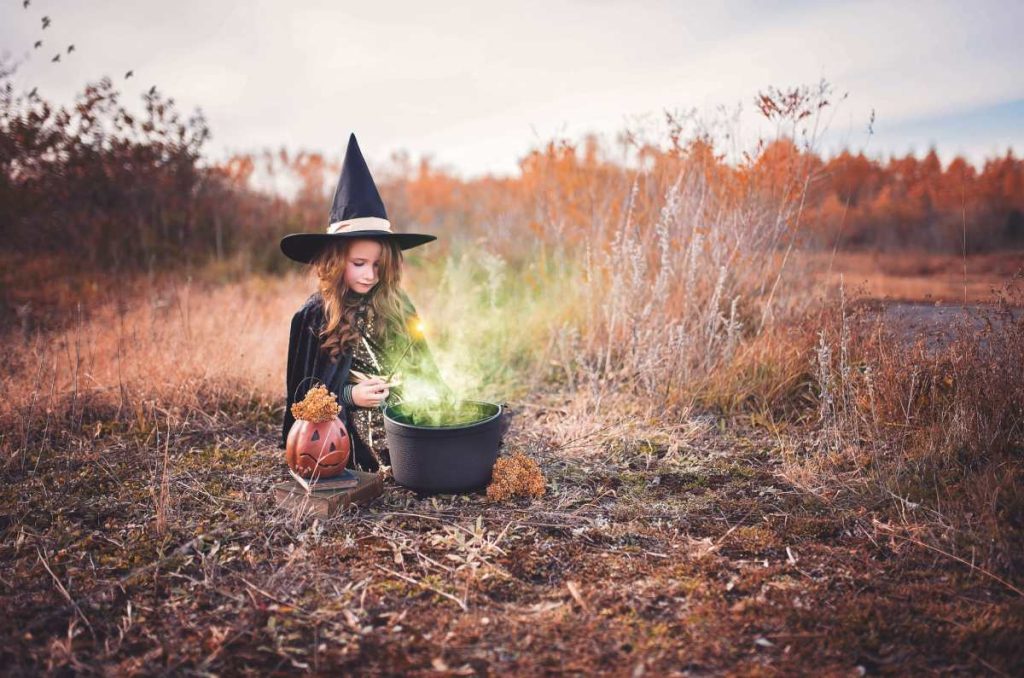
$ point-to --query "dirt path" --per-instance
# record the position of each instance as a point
(938, 325)
(640, 559)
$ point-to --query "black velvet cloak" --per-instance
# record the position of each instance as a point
(309, 366)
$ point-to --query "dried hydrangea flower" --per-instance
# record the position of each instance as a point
(318, 406)
(515, 476)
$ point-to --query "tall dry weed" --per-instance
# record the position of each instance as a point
(670, 302)
(186, 350)
(933, 423)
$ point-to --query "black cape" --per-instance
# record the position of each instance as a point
(309, 365)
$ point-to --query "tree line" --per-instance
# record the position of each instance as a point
(96, 185)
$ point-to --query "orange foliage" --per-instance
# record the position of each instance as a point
(140, 197)
(911, 202)
(566, 192)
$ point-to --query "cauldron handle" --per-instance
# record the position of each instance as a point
(505, 424)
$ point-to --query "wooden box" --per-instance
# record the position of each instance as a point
(327, 500)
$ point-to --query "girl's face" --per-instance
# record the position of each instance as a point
(362, 265)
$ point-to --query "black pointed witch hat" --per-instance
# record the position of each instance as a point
(356, 212)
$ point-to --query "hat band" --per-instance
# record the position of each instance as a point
(360, 224)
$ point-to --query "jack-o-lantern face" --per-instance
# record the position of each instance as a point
(317, 449)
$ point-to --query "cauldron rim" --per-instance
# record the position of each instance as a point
(463, 427)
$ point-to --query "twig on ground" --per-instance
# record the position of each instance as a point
(438, 591)
(65, 593)
(912, 540)
(574, 591)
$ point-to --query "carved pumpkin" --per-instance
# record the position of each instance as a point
(318, 449)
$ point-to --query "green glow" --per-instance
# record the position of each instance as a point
(486, 322)
(437, 414)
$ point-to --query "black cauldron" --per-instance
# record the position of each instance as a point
(455, 458)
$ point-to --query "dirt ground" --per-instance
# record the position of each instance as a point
(937, 325)
(916, 276)
(698, 556)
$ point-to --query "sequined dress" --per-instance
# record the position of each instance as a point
(369, 358)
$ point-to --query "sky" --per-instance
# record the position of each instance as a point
(475, 85)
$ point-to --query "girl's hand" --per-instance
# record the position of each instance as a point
(370, 393)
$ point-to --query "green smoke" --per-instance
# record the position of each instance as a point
(488, 325)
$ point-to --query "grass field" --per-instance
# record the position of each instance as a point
(782, 531)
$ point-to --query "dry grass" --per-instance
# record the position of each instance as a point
(141, 534)
(738, 477)
(934, 425)
(175, 351)
(685, 548)
(917, 276)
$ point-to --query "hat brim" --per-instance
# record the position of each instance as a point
(303, 247)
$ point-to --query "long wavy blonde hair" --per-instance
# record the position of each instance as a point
(339, 332)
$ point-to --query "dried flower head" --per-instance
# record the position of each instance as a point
(319, 405)
(515, 476)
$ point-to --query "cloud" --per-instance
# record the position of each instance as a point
(476, 83)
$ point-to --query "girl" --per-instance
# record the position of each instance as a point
(358, 330)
